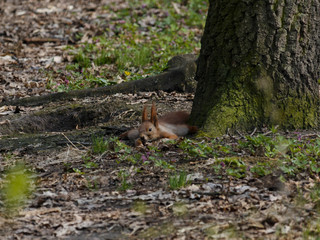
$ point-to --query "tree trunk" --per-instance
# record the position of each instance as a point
(258, 66)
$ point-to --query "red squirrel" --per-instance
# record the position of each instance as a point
(171, 125)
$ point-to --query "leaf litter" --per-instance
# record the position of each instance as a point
(76, 199)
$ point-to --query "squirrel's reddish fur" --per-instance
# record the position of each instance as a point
(171, 125)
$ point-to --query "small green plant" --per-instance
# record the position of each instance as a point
(315, 193)
(222, 149)
(18, 186)
(274, 129)
(118, 146)
(67, 167)
(132, 158)
(8, 157)
(82, 60)
(90, 164)
(77, 170)
(124, 184)
(87, 163)
(312, 230)
(163, 164)
(300, 198)
(259, 145)
(301, 157)
(92, 184)
(178, 180)
(230, 166)
(196, 149)
(99, 145)
(261, 168)
(235, 167)
(155, 149)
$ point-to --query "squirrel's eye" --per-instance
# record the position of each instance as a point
(150, 129)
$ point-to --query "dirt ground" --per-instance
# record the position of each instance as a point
(76, 200)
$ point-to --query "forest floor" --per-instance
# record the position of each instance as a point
(81, 182)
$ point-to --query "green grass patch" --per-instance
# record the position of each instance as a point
(252, 156)
(123, 177)
(139, 40)
(258, 155)
(178, 180)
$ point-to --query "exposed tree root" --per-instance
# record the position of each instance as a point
(179, 76)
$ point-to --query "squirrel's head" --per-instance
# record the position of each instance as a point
(149, 129)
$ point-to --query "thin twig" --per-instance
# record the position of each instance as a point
(240, 134)
(70, 141)
(267, 133)
(254, 131)
(310, 135)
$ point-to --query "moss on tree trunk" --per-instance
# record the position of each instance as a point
(258, 66)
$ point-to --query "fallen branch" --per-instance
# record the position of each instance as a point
(37, 40)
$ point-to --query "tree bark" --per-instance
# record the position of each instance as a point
(258, 66)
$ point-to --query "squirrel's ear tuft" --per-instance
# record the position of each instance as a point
(144, 114)
(154, 118)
